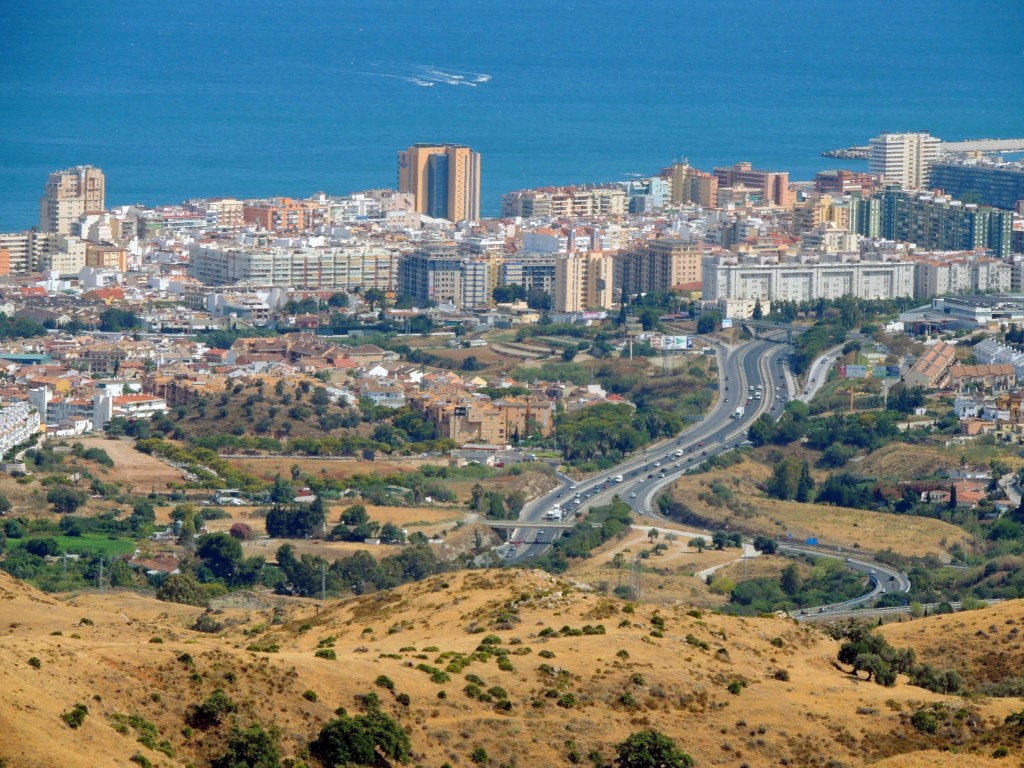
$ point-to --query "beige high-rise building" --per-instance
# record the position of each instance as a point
(904, 158)
(584, 281)
(443, 178)
(68, 195)
(693, 187)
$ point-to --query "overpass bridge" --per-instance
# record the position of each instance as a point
(763, 327)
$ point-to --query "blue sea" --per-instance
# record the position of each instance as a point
(248, 98)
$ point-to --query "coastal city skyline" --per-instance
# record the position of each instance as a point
(197, 111)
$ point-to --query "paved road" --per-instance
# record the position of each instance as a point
(818, 373)
(883, 578)
(742, 370)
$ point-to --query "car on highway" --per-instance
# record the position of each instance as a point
(650, 476)
(701, 443)
(632, 495)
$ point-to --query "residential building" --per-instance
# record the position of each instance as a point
(939, 223)
(282, 214)
(18, 422)
(844, 182)
(904, 158)
(987, 182)
(584, 281)
(773, 186)
(931, 369)
(530, 270)
(805, 278)
(67, 195)
(1000, 377)
(443, 178)
(690, 186)
(959, 273)
(565, 202)
(320, 268)
(660, 265)
(432, 273)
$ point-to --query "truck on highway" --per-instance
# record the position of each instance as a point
(617, 479)
(738, 413)
(555, 514)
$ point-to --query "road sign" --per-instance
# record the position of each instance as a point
(812, 542)
(853, 371)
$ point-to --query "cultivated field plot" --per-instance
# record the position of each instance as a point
(140, 472)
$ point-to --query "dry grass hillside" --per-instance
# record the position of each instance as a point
(580, 672)
(985, 646)
(735, 496)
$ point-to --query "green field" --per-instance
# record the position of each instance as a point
(95, 544)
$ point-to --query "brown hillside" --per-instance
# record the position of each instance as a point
(985, 646)
(676, 683)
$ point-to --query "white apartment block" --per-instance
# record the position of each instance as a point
(904, 158)
(304, 267)
(936, 276)
(759, 278)
(18, 422)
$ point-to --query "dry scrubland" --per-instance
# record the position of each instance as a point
(835, 526)
(97, 649)
(137, 471)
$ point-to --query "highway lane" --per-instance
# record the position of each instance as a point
(741, 370)
(883, 579)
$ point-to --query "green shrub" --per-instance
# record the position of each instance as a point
(627, 699)
(778, 642)
(326, 653)
(35, 663)
(498, 692)
(735, 686)
(156, 640)
(925, 721)
(479, 756)
(383, 681)
(638, 680)
(309, 695)
(546, 654)
(75, 716)
(567, 701)
(403, 699)
(622, 654)
(212, 711)
(141, 760)
(491, 640)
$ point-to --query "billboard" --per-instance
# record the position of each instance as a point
(853, 371)
(892, 371)
(460, 410)
(676, 342)
(727, 322)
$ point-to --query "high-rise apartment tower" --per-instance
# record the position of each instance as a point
(68, 195)
(904, 158)
(443, 178)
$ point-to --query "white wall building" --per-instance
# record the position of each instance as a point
(18, 422)
(754, 277)
(904, 158)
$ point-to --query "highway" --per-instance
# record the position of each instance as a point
(741, 370)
